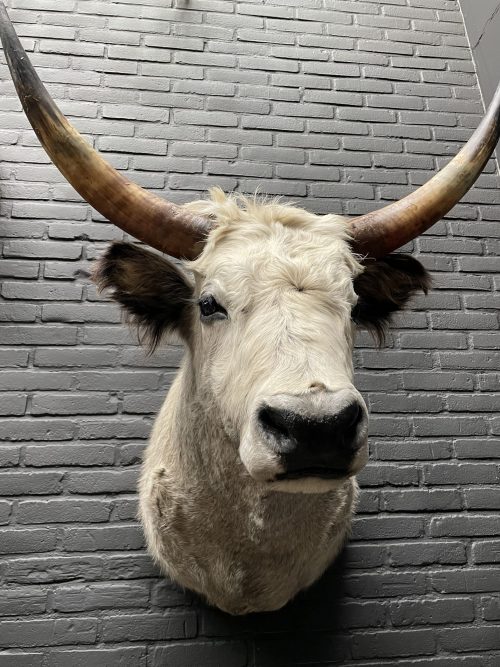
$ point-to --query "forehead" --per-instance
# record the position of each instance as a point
(272, 246)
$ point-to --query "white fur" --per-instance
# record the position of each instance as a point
(213, 515)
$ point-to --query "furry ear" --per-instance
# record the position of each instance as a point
(384, 287)
(152, 291)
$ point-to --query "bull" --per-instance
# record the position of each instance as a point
(248, 484)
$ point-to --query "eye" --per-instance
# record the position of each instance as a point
(210, 309)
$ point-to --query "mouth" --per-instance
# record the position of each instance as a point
(324, 473)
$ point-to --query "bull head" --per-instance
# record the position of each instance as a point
(265, 400)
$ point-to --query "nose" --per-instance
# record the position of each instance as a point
(320, 444)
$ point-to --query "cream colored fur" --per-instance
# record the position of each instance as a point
(212, 519)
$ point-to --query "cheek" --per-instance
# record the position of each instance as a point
(224, 368)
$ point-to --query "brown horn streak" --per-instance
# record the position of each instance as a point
(151, 219)
(378, 233)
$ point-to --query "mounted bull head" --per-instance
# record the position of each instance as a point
(264, 401)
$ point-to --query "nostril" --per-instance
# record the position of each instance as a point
(352, 415)
(347, 424)
(275, 420)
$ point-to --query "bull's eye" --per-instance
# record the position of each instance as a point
(210, 309)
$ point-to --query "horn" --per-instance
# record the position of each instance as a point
(151, 219)
(378, 233)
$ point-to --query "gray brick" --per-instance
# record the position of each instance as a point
(69, 455)
(422, 500)
(424, 612)
(83, 312)
(445, 341)
(355, 31)
(210, 654)
(71, 404)
(272, 123)
(482, 498)
(37, 632)
(21, 269)
(47, 292)
(386, 584)
(171, 625)
(459, 360)
(472, 448)
(78, 597)
(35, 483)
(419, 553)
(449, 426)
(109, 657)
(47, 568)
(307, 172)
(489, 381)
(473, 403)
(143, 403)
(44, 249)
(5, 510)
(234, 168)
(491, 608)
(472, 525)
(282, 187)
(23, 601)
(110, 538)
(124, 508)
(441, 26)
(79, 357)
(9, 456)
(364, 556)
(396, 359)
(381, 403)
(370, 528)
(122, 144)
(63, 510)
(131, 454)
(487, 637)
(486, 551)
(24, 659)
(374, 72)
(18, 541)
(13, 404)
(394, 643)
(413, 450)
(116, 380)
(112, 481)
(27, 380)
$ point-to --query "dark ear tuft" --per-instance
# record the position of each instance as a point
(153, 292)
(384, 287)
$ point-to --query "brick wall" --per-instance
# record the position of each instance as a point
(340, 105)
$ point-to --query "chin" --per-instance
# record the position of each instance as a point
(309, 485)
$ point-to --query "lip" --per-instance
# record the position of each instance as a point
(324, 473)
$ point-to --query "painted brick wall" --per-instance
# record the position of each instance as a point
(339, 105)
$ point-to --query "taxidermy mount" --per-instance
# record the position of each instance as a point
(249, 480)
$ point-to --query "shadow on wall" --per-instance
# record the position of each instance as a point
(306, 630)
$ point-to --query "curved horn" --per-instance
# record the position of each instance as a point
(149, 218)
(378, 233)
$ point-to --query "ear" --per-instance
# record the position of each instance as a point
(152, 291)
(384, 287)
